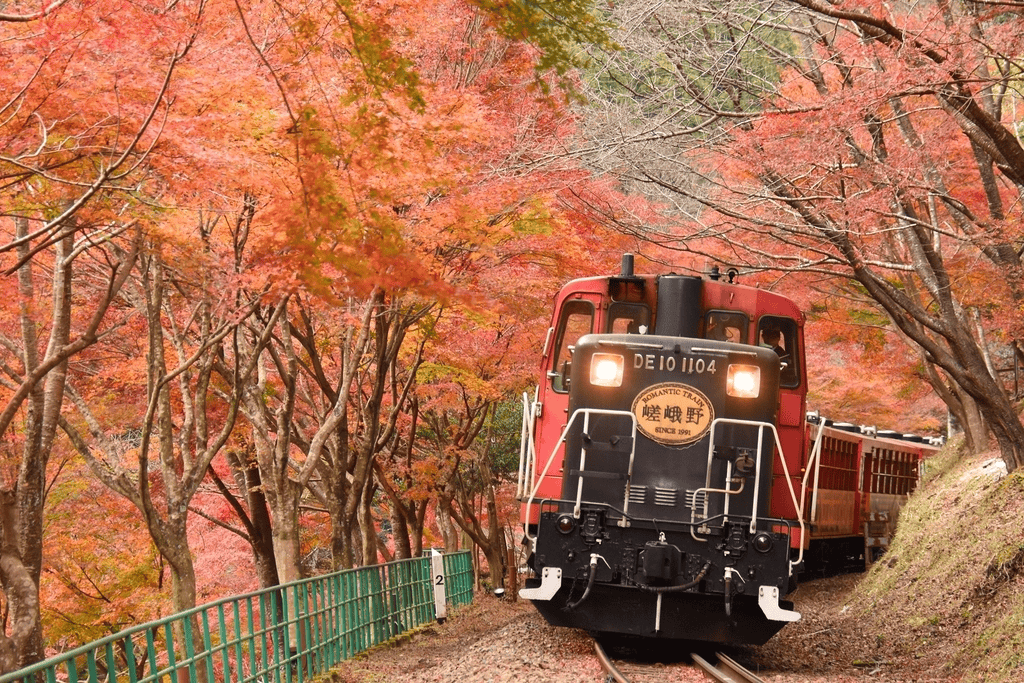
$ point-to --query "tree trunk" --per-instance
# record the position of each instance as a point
(407, 533)
(497, 548)
(367, 526)
(972, 423)
(255, 515)
(417, 530)
(963, 408)
(449, 532)
(287, 550)
(171, 538)
(400, 532)
(23, 598)
(262, 529)
(332, 491)
(497, 556)
(340, 551)
(20, 648)
(38, 401)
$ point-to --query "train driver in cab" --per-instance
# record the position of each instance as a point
(772, 339)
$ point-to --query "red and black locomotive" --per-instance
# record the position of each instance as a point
(671, 484)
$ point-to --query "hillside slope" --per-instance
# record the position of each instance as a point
(952, 582)
(945, 604)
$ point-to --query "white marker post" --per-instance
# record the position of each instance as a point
(437, 578)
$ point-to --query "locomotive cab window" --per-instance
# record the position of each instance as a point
(780, 335)
(726, 326)
(625, 318)
(577, 319)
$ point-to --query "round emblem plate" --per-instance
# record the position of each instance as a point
(673, 414)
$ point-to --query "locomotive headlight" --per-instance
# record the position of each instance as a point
(606, 370)
(743, 381)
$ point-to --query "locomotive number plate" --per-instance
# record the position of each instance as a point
(687, 365)
(673, 414)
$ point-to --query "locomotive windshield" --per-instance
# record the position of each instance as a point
(628, 318)
(727, 326)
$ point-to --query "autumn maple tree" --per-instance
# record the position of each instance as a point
(73, 146)
(183, 418)
(859, 143)
(102, 572)
(479, 367)
(400, 197)
(229, 231)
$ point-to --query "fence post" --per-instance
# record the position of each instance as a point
(437, 579)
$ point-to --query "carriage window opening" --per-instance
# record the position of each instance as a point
(577, 319)
(726, 326)
(780, 335)
(626, 318)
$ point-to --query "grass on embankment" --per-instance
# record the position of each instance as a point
(952, 581)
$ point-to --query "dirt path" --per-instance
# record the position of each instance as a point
(492, 640)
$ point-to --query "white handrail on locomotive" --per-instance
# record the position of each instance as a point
(583, 459)
(579, 494)
(767, 600)
(527, 447)
(757, 467)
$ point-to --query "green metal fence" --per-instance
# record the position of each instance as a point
(283, 634)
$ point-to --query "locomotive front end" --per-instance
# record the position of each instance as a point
(661, 528)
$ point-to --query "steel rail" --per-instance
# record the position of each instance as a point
(606, 663)
(727, 670)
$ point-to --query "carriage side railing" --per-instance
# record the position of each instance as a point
(283, 634)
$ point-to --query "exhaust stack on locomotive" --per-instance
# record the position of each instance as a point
(663, 475)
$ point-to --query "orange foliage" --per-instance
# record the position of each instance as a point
(258, 148)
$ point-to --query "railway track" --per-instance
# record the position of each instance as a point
(723, 670)
(726, 670)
